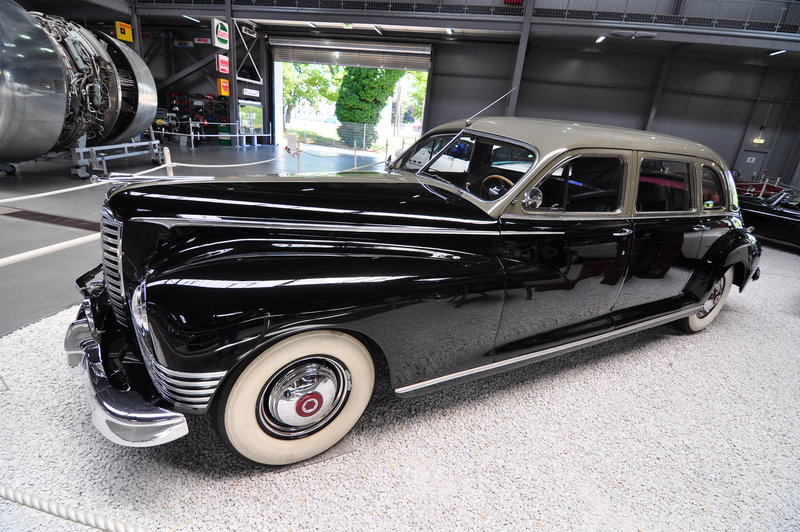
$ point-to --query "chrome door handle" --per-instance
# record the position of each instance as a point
(623, 232)
(701, 227)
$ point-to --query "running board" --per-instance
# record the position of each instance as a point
(550, 352)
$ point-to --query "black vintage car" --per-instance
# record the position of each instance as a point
(776, 217)
(485, 246)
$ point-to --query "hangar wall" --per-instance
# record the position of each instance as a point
(716, 101)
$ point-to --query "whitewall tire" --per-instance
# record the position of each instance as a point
(714, 303)
(297, 398)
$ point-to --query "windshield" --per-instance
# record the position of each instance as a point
(486, 168)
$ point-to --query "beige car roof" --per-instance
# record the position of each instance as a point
(550, 137)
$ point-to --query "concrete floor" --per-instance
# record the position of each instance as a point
(40, 286)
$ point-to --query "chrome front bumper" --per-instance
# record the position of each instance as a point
(122, 416)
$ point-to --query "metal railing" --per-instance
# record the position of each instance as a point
(384, 139)
(775, 16)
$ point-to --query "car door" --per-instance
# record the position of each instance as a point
(564, 256)
(667, 235)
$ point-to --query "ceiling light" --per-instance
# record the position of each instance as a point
(777, 52)
(600, 39)
(191, 18)
(449, 31)
(376, 28)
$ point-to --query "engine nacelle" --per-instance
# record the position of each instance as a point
(60, 81)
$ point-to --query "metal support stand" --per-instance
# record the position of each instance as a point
(97, 156)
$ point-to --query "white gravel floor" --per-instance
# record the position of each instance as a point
(656, 431)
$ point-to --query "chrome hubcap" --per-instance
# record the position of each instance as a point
(713, 299)
(303, 397)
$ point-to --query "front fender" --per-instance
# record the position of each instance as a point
(228, 300)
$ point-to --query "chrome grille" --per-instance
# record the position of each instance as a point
(111, 232)
(190, 391)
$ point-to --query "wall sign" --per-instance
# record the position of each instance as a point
(249, 31)
(223, 87)
(202, 40)
(251, 92)
(219, 33)
(223, 64)
(183, 44)
(124, 31)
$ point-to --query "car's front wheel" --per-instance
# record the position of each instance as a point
(712, 306)
(297, 398)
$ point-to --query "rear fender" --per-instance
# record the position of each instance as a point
(737, 249)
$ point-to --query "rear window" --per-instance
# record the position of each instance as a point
(664, 186)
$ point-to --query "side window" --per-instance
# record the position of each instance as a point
(584, 184)
(664, 185)
(713, 193)
(420, 154)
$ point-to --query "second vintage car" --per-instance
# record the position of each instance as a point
(774, 217)
(487, 245)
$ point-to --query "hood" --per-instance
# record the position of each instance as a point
(363, 199)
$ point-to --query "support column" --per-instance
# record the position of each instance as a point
(657, 93)
(233, 99)
(426, 107)
(516, 79)
(266, 89)
(136, 22)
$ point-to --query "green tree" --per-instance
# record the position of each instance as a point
(418, 89)
(362, 96)
(309, 83)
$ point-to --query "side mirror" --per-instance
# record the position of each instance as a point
(533, 199)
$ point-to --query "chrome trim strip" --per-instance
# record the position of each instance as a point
(552, 351)
(203, 221)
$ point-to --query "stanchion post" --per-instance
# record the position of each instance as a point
(168, 161)
(191, 133)
(355, 154)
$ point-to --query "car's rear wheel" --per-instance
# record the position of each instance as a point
(297, 398)
(712, 306)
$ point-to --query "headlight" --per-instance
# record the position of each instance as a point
(138, 308)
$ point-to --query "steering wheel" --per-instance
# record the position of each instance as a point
(493, 193)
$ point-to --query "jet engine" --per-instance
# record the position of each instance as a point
(60, 81)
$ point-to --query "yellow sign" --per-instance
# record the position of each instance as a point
(223, 89)
(759, 140)
(124, 31)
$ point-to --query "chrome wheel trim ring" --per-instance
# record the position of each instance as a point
(713, 299)
(303, 397)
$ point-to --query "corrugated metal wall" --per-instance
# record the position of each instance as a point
(720, 103)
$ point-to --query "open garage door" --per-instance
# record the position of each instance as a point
(352, 53)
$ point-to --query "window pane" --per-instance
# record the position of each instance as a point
(456, 159)
(713, 196)
(594, 184)
(663, 186)
(422, 153)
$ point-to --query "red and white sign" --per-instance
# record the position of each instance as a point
(202, 40)
(223, 64)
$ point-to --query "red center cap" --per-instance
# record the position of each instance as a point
(309, 404)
